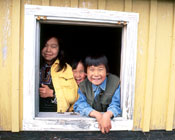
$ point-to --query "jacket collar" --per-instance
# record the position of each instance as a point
(102, 86)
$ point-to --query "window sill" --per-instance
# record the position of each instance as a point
(51, 121)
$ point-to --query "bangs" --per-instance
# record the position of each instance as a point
(96, 61)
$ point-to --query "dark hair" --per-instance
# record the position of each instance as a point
(95, 60)
(75, 62)
(60, 57)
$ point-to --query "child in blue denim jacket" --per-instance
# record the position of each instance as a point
(99, 93)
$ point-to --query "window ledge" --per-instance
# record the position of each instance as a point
(51, 121)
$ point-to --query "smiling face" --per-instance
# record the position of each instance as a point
(50, 50)
(79, 73)
(96, 74)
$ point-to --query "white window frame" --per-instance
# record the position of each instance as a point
(68, 121)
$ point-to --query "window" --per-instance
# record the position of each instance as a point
(121, 28)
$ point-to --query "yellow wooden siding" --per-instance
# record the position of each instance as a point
(15, 43)
(116, 5)
(5, 65)
(21, 48)
(141, 7)
(150, 66)
(154, 104)
(61, 3)
(128, 5)
(162, 65)
(90, 4)
(171, 96)
(74, 3)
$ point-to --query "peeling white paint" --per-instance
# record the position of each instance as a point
(86, 4)
(4, 53)
(83, 4)
(6, 32)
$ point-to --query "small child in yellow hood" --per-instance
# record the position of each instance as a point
(78, 70)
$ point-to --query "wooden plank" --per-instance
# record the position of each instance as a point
(64, 3)
(128, 5)
(53, 2)
(21, 62)
(74, 3)
(15, 65)
(102, 4)
(90, 4)
(115, 5)
(171, 100)
(143, 8)
(162, 64)
(5, 65)
(36, 2)
(61, 3)
(46, 2)
(150, 66)
(28, 1)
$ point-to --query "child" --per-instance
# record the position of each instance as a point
(99, 92)
(58, 89)
(78, 70)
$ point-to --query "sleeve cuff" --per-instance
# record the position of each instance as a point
(115, 113)
(88, 111)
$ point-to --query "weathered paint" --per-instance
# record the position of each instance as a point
(5, 32)
(15, 65)
(154, 91)
(162, 65)
(115, 5)
(150, 66)
(5, 65)
(171, 96)
(143, 9)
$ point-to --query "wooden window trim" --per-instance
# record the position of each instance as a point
(35, 120)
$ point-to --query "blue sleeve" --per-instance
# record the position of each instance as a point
(81, 106)
(114, 106)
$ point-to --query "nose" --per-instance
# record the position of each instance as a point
(77, 74)
(48, 48)
(95, 73)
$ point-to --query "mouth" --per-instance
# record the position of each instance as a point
(96, 79)
(78, 80)
(48, 55)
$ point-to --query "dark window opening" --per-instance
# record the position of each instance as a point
(81, 40)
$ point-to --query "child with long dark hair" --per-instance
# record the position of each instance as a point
(58, 89)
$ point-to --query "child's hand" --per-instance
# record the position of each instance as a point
(106, 122)
(98, 117)
(45, 91)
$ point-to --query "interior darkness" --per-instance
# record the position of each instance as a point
(81, 40)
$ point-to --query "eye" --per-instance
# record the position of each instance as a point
(74, 71)
(91, 69)
(81, 71)
(100, 69)
(54, 46)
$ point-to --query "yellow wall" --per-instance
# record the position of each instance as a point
(155, 71)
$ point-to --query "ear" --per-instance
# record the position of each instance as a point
(107, 73)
